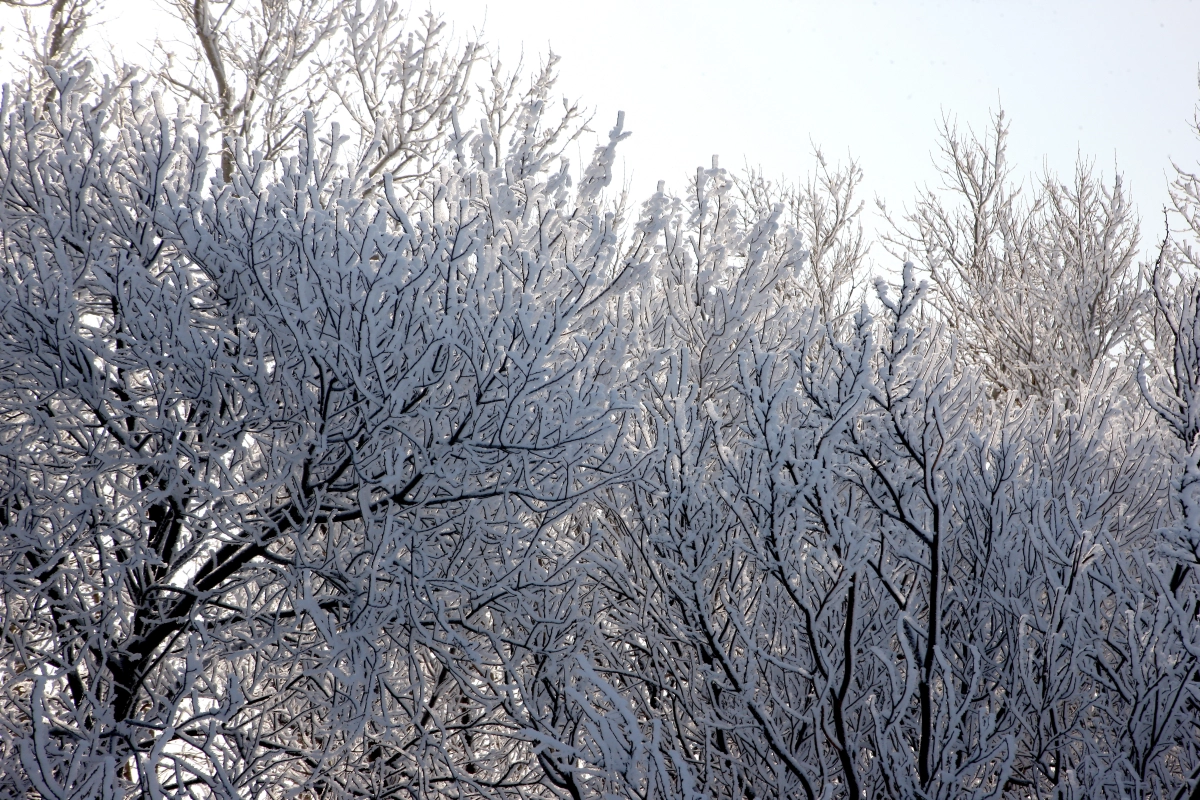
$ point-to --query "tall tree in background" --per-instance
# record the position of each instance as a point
(1041, 286)
(251, 64)
(400, 84)
(53, 48)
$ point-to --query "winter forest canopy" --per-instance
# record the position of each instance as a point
(356, 443)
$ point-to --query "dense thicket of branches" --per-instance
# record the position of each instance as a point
(405, 461)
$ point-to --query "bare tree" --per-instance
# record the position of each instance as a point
(826, 212)
(1042, 286)
(401, 87)
(251, 63)
(54, 46)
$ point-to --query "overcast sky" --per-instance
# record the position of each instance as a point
(758, 82)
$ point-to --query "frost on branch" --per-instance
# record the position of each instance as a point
(360, 465)
(1041, 285)
(288, 469)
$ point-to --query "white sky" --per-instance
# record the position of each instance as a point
(758, 81)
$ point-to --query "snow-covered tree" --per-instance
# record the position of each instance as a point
(257, 431)
(54, 47)
(399, 458)
(1041, 286)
